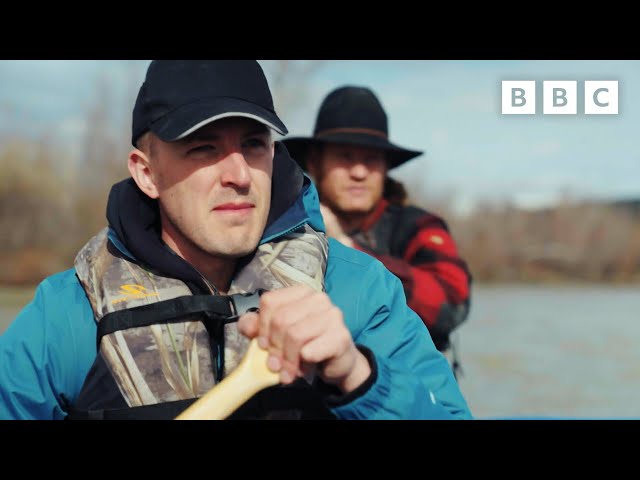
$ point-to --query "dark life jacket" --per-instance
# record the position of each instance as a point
(160, 347)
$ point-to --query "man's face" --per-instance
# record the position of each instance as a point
(214, 187)
(350, 179)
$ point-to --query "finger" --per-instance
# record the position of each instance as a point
(332, 348)
(323, 348)
(269, 304)
(312, 326)
(289, 314)
(248, 324)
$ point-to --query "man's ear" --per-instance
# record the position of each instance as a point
(140, 170)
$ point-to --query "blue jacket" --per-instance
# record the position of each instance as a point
(47, 351)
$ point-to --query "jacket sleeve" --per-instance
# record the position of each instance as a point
(411, 379)
(436, 280)
(40, 366)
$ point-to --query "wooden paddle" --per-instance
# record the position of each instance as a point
(247, 379)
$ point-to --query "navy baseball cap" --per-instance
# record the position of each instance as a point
(180, 96)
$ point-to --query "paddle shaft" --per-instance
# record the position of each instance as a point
(247, 379)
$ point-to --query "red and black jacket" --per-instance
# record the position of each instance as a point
(417, 247)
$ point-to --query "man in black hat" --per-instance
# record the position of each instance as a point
(217, 224)
(349, 156)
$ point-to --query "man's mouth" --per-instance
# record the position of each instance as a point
(357, 190)
(234, 206)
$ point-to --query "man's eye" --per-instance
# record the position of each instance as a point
(255, 143)
(202, 148)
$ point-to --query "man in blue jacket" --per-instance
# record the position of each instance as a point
(217, 223)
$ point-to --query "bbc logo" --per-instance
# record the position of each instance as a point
(559, 97)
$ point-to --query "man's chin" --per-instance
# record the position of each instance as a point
(233, 249)
(357, 209)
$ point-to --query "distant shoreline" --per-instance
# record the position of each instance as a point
(18, 295)
(15, 296)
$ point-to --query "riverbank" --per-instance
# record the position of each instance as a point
(12, 299)
(15, 296)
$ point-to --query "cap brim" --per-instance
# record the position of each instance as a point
(298, 147)
(185, 120)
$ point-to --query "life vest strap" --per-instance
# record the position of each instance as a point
(219, 310)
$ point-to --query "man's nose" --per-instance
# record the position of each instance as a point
(359, 169)
(236, 171)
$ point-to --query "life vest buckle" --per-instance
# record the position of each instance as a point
(244, 302)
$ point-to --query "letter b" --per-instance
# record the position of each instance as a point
(560, 97)
(518, 97)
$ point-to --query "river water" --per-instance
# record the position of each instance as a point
(552, 352)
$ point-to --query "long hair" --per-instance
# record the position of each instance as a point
(394, 191)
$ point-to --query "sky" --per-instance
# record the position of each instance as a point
(451, 110)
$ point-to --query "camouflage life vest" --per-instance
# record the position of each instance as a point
(162, 345)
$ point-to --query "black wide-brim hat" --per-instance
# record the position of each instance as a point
(351, 116)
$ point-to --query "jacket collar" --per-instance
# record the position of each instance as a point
(374, 215)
